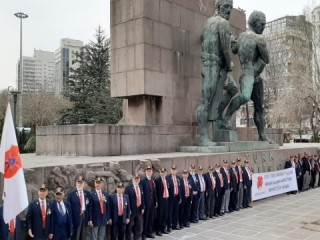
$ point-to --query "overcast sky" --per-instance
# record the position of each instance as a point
(51, 20)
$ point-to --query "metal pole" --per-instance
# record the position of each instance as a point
(15, 97)
(21, 61)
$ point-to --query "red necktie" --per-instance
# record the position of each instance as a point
(235, 173)
(101, 202)
(175, 185)
(43, 213)
(120, 206)
(212, 183)
(186, 186)
(138, 196)
(240, 172)
(165, 189)
(12, 228)
(81, 201)
(220, 178)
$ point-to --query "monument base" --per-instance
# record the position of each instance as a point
(223, 147)
(220, 135)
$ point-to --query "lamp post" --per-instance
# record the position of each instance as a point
(22, 16)
(14, 93)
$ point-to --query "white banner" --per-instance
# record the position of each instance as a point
(273, 183)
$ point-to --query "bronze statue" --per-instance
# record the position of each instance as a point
(253, 55)
(216, 70)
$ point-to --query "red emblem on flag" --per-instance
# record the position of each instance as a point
(12, 162)
(260, 182)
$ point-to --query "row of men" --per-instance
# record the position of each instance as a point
(160, 205)
(307, 168)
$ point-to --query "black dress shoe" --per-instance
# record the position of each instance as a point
(187, 225)
(237, 209)
(150, 236)
(164, 232)
(176, 228)
(216, 215)
(169, 230)
(181, 227)
(159, 234)
(143, 238)
(220, 214)
(204, 219)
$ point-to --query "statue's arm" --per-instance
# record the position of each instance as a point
(263, 50)
(225, 38)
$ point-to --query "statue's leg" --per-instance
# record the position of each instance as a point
(231, 89)
(208, 89)
(246, 84)
(258, 100)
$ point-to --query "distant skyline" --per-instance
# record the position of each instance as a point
(49, 21)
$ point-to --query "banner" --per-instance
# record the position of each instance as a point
(273, 183)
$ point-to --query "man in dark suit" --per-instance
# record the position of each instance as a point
(81, 208)
(100, 210)
(306, 170)
(234, 183)
(201, 194)
(247, 184)
(61, 216)
(120, 213)
(151, 203)
(9, 231)
(240, 185)
(186, 195)
(226, 183)
(136, 199)
(298, 173)
(39, 217)
(219, 191)
(163, 202)
(195, 189)
(210, 192)
(174, 199)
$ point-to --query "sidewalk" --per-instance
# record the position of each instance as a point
(284, 217)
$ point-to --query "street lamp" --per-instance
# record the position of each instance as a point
(20, 15)
(14, 93)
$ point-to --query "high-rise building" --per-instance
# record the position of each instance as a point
(38, 72)
(289, 73)
(65, 57)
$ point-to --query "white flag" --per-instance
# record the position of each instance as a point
(15, 198)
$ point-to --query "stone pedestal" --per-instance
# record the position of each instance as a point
(220, 135)
(223, 147)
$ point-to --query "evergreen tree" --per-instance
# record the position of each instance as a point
(89, 86)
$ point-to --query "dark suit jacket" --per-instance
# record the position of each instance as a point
(171, 186)
(34, 219)
(195, 184)
(246, 181)
(147, 193)
(115, 210)
(4, 228)
(305, 165)
(74, 200)
(131, 192)
(225, 179)
(55, 212)
(208, 181)
(183, 190)
(97, 218)
(219, 188)
(233, 180)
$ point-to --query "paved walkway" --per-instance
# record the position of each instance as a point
(284, 217)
